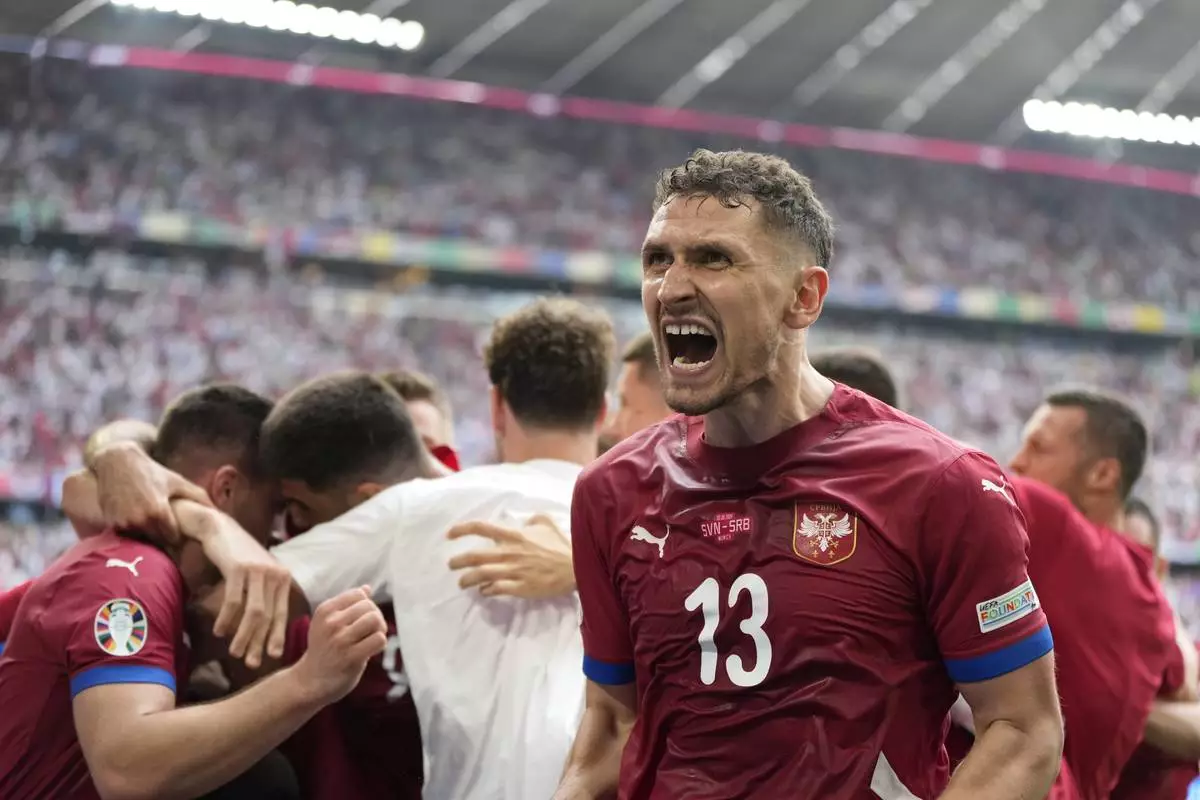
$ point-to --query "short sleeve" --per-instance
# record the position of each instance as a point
(10, 601)
(973, 548)
(347, 552)
(125, 622)
(608, 652)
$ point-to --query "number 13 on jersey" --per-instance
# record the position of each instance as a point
(707, 598)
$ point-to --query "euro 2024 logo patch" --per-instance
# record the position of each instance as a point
(824, 533)
(121, 627)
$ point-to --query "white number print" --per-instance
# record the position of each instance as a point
(707, 598)
(397, 676)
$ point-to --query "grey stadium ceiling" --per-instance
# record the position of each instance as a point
(948, 68)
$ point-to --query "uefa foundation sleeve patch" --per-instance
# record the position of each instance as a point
(1007, 608)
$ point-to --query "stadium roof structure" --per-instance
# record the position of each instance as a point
(959, 69)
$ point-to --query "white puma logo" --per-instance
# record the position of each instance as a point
(640, 534)
(998, 488)
(129, 565)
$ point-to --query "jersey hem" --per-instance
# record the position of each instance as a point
(121, 673)
(1003, 661)
(608, 673)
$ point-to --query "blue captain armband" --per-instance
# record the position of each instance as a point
(121, 673)
(608, 673)
(1003, 661)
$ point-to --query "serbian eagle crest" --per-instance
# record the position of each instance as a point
(824, 529)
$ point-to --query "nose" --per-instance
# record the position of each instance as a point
(676, 287)
(1020, 462)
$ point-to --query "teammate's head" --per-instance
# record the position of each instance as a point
(1089, 445)
(336, 441)
(733, 275)
(640, 401)
(427, 404)
(549, 366)
(1141, 524)
(210, 435)
(859, 369)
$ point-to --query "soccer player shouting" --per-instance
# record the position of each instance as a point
(773, 583)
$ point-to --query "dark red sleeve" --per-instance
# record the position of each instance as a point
(608, 651)
(973, 555)
(122, 627)
(9, 601)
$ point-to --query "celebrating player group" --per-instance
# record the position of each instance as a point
(759, 578)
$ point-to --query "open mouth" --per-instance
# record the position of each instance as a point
(689, 345)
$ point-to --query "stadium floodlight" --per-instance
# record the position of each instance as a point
(1098, 122)
(301, 19)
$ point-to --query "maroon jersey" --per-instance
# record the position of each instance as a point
(1113, 629)
(795, 614)
(110, 610)
(10, 601)
(368, 745)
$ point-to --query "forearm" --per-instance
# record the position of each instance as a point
(594, 766)
(189, 751)
(1007, 763)
(133, 431)
(81, 503)
(1174, 728)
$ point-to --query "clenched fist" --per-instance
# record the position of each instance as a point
(346, 632)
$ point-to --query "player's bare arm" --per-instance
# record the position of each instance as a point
(1018, 736)
(130, 431)
(594, 766)
(164, 752)
(257, 598)
(532, 562)
(81, 504)
(134, 491)
(1174, 728)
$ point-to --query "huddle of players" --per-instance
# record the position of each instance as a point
(826, 721)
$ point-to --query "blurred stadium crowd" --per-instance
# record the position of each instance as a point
(86, 337)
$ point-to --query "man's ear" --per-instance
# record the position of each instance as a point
(1105, 475)
(809, 287)
(222, 484)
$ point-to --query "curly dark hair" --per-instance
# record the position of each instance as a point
(735, 177)
(551, 361)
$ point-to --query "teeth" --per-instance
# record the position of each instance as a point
(687, 329)
(681, 363)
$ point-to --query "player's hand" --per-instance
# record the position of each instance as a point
(346, 632)
(254, 608)
(135, 492)
(533, 562)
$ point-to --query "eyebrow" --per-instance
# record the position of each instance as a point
(693, 248)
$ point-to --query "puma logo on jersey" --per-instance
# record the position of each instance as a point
(998, 488)
(129, 565)
(640, 534)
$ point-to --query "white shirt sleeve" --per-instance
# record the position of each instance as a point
(350, 551)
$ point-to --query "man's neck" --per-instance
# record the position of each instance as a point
(575, 448)
(767, 411)
(1106, 513)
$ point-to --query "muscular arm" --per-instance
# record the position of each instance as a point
(138, 746)
(1174, 728)
(594, 765)
(1019, 736)
(164, 752)
(81, 503)
(132, 431)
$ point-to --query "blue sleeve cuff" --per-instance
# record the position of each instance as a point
(607, 673)
(1002, 661)
(1, 648)
(121, 673)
